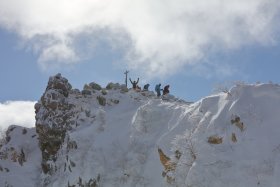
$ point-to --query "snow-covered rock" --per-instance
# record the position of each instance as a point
(20, 158)
(230, 139)
(117, 137)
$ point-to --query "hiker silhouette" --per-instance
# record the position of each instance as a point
(165, 90)
(134, 83)
(158, 89)
(146, 87)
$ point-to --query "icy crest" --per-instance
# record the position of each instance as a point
(118, 137)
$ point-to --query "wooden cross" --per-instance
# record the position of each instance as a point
(126, 72)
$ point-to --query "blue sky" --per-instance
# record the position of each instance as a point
(21, 77)
(193, 48)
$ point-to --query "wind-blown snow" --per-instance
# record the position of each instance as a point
(119, 144)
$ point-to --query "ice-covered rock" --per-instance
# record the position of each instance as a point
(118, 137)
(53, 118)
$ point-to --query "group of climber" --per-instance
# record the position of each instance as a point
(158, 89)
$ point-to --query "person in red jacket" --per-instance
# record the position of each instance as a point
(165, 90)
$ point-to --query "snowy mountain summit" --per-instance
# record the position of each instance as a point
(115, 137)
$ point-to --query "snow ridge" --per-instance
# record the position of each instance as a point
(115, 137)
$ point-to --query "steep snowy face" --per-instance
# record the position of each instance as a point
(231, 139)
(115, 137)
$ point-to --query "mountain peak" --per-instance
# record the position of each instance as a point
(116, 136)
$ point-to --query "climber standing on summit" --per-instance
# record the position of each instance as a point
(146, 87)
(157, 89)
(134, 83)
(165, 90)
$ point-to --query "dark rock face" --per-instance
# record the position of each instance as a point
(60, 84)
(53, 118)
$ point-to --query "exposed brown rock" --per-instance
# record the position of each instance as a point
(215, 139)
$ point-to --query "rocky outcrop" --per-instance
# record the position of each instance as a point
(61, 112)
(95, 86)
(53, 118)
(116, 86)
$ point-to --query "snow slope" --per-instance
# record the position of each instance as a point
(247, 120)
(136, 139)
(17, 169)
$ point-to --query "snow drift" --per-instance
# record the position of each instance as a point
(117, 137)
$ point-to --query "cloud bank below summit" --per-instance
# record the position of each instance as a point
(154, 36)
(17, 113)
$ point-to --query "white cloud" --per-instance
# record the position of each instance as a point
(17, 113)
(60, 53)
(162, 36)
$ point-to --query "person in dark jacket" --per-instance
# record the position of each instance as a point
(157, 89)
(165, 90)
(146, 87)
(134, 83)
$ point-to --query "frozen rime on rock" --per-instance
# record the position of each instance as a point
(53, 118)
(62, 109)
(117, 137)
